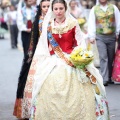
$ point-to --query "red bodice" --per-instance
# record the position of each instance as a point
(66, 42)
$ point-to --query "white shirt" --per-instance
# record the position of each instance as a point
(11, 17)
(92, 21)
(20, 23)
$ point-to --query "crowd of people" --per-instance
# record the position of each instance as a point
(50, 86)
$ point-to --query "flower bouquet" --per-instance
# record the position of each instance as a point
(82, 24)
(81, 57)
(81, 21)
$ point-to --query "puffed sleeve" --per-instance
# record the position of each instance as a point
(91, 25)
(80, 36)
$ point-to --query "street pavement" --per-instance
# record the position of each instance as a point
(10, 65)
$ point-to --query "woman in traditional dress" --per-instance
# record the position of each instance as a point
(116, 65)
(19, 110)
(55, 89)
(75, 10)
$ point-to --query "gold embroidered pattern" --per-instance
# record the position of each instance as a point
(63, 28)
(26, 104)
(64, 97)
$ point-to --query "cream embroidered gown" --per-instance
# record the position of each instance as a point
(61, 92)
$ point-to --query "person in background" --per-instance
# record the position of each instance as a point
(20, 4)
(22, 103)
(104, 27)
(77, 11)
(24, 22)
(11, 20)
(74, 9)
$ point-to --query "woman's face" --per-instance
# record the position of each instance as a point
(73, 4)
(44, 6)
(59, 10)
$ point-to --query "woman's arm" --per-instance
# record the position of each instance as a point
(92, 26)
(80, 37)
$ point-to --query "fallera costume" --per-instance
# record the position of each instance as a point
(54, 90)
(58, 90)
(27, 67)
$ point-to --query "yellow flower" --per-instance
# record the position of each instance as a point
(86, 55)
(81, 57)
(81, 21)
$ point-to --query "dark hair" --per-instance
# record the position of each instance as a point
(59, 1)
(35, 27)
(41, 3)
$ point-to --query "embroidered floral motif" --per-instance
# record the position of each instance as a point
(105, 21)
(63, 28)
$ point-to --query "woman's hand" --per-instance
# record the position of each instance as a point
(92, 41)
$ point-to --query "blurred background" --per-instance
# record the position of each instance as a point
(4, 8)
(86, 3)
(11, 61)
